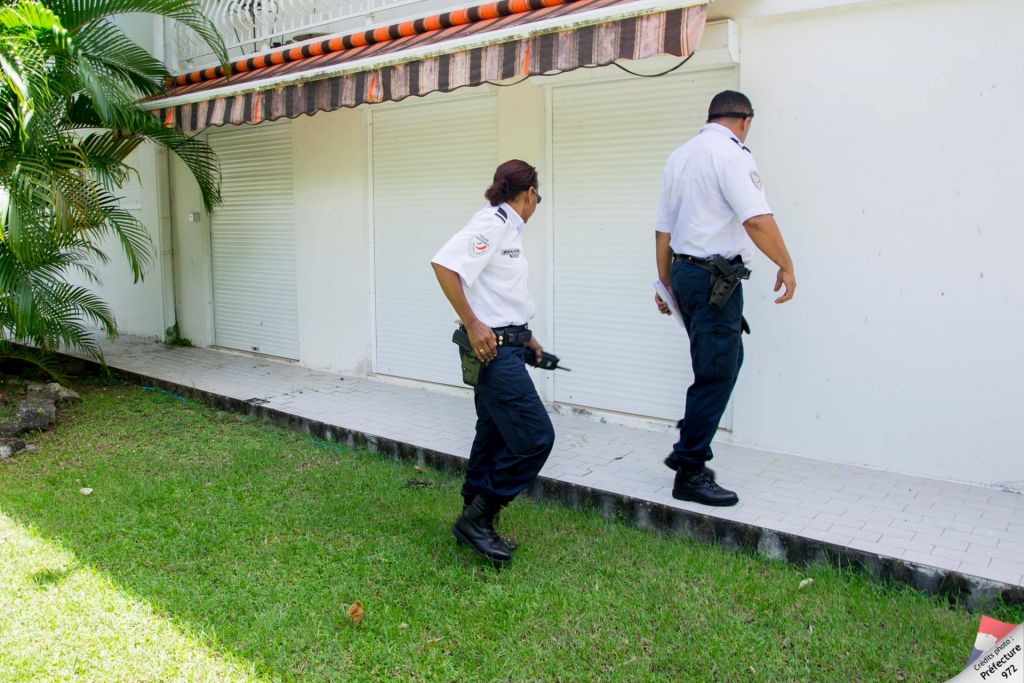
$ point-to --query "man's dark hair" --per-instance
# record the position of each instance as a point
(730, 104)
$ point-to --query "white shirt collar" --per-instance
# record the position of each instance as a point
(719, 128)
(514, 219)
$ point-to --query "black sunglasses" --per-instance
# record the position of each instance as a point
(539, 198)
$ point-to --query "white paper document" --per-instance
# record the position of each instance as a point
(667, 297)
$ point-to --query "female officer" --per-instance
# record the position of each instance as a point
(483, 272)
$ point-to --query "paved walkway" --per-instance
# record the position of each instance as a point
(955, 527)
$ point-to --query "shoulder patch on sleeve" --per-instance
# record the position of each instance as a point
(479, 246)
(755, 178)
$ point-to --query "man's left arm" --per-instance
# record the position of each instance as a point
(741, 185)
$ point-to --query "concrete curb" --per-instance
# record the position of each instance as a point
(973, 592)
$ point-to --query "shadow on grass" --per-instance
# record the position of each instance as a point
(48, 578)
(260, 539)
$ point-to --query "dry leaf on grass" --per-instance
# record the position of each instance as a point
(806, 582)
(418, 468)
(86, 491)
(356, 612)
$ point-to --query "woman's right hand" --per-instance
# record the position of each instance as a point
(484, 341)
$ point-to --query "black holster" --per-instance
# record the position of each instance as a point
(725, 276)
(471, 365)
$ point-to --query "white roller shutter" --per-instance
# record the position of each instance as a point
(253, 242)
(431, 165)
(610, 143)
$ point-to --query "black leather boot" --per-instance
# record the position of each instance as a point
(674, 466)
(476, 528)
(497, 518)
(700, 487)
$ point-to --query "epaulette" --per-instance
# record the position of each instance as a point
(501, 213)
(742, 146)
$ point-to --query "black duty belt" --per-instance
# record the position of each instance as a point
(516, 335)
(707, 263)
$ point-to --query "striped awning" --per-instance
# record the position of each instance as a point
(417, 58)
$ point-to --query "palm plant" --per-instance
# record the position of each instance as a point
(70, 83)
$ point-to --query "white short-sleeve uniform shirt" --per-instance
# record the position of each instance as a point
(709, 188)
(488, 256)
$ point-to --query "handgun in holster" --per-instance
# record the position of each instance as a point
(725, 275)
(471, 365)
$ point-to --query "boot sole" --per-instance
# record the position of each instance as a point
(511, 546)
(705, 501)
(460, 539)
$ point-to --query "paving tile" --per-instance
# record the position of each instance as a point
(1006, 569)
(922, 527)
(943, 541)
(972, 539)
(836, 519)
(889, 531)
(786, 527)
(1007, 574)
(958, 555)
(903, 516)
(855, 533)
(761, 515)
(836, 538)
(1003, 554)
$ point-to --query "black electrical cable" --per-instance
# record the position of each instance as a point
(663, 73)
(499, 84)
(596, 66)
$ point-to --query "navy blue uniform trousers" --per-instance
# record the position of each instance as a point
(514, 435)
(716, 353)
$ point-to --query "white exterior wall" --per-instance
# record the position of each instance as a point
(333, 249)
(876, 139)
(900, 348)
(193, 274)
(144, 308)
(138, 308)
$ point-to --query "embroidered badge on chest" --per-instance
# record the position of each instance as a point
(479, 246)
(511, 253)
(755, 178)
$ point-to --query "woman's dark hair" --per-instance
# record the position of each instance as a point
(511, 178)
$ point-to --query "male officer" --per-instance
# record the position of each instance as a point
(713, 204)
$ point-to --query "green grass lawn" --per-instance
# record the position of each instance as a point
(215, 548)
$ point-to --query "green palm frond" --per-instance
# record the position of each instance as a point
(105, 153)
(198, 156)
(70, 81)
(107, 47)
(79, 14)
